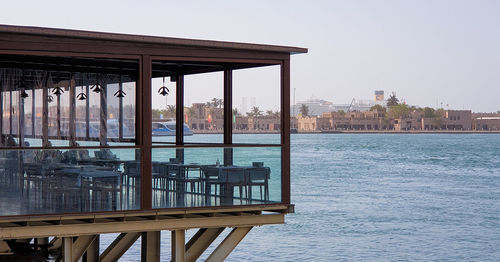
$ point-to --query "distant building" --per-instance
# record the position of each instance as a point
(457, 120)
(486, 123)
(379, 96)
(316, 107)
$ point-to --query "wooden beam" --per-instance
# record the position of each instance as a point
(80, 246)
(119, 246)
(150, 246)
(228, 244)
(140, 226)
(92, 254)
(4, 248)
(200, 242)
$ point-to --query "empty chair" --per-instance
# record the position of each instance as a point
(258, 176)
(233, 177)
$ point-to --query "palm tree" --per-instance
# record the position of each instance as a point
(393, 100)
(170, 111)
(215, 102)
(236, 112)
(304, 110)
(256, 112)
(269, 112)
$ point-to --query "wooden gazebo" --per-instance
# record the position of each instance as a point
(77, 158)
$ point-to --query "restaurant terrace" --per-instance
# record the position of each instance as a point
(78, 159)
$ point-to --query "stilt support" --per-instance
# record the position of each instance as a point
(200, 242)
(4, 248)
(67, 249)
(121, 244)
(150, 246)
(81, 244)
(92, 254)
(178, 245)
(228, 244)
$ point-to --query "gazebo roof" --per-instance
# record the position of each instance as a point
(31, 30)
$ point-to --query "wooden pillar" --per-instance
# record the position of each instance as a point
(72, 113)
(20, 122)
(87, 112)
(33, 112)
(179, 115)
(67, 249)
(45, 115)
(120, 111)
(103, 124)
(58, 117)
(228, 116)
(145, 131)
(150, 246)
(11, 110)
(285, 131)
(180, 248)
(1, 114)
(179, 110)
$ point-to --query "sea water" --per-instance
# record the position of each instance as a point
(379, 197)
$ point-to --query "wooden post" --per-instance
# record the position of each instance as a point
(72, 114)
(285, 131)
(120, 111)
(145, 126)
(180, 249)
(1, 113)
(45, 114)
(179, 110)
(87, 112)
(103, 124)
(20, 123)
(228, 116)
(33, 112)
(58, 117)
(150, 246)
(68, 249)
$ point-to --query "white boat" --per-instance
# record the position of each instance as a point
(168, 129)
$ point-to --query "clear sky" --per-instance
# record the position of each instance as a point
(428, 52)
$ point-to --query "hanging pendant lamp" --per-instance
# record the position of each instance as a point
(82, 95)
(164, 89)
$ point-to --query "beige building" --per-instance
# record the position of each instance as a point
(486, 123)
(457, 120)
(313, 123)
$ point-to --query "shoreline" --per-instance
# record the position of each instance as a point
(402, 132)
(369, 132)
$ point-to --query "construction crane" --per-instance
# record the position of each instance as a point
(350, 106)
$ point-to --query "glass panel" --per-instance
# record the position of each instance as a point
(76, 100)
(256, 105)
(66, 181)
(199, 177)
(204, 108)
(163, 97)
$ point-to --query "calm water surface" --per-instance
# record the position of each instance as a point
(381, 197)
